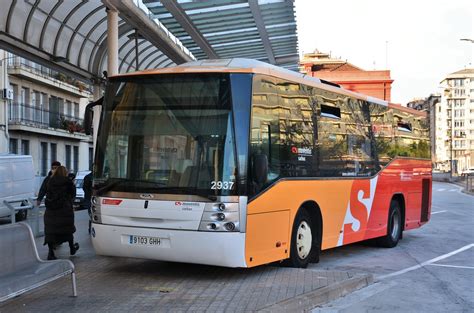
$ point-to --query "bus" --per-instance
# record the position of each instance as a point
(238, 163)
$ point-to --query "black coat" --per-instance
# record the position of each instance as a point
(59, 214)
(87, 187)
(42, 191)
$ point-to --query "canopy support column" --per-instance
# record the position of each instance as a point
(112, 42)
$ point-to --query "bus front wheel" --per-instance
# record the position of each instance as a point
(302, 245)
(394, 226)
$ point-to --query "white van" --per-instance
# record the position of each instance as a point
(17, 178)
(79, 181)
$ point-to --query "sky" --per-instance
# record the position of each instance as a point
(417, 40)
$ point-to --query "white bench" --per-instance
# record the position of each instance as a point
(21, 269)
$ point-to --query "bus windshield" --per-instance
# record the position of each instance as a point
(169, 134)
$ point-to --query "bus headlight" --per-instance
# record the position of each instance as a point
(96, 219)
(220, 217)
(229, 226)
(95, 210)
(95, 200)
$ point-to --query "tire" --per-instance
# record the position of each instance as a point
(394, 226)
(302, 241)
(21, 215)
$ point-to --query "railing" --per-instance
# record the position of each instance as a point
(17, 205)
(38, 117)
(48, 73)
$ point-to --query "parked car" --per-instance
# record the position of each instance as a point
(79, 181)
(17, 178)
(469, 172)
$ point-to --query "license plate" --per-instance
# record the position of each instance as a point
(144, 240)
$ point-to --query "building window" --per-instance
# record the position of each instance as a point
(54, 152)
(44, 158)
(459, 123)
(76, 109)
(54, 112)
(457, 82)
(458, 113)
(36, 105)
(68, 157)
(76, 158)
(25, 96)
(25, 147)
(68, 108)
(459, 92)
(13, 145)
(61, 106)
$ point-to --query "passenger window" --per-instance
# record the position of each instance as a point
(265, 132)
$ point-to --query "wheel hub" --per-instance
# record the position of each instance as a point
(395, 225)
(304, 240)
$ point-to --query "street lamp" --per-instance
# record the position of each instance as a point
(467, 39)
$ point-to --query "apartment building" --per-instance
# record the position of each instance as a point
(454, 123)
(377, 84)
(45, 112)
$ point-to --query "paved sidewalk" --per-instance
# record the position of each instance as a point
(107, 284)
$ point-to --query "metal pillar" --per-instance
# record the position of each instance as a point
(136, 50)
(4, 137)
(112, 42)
(97, 112)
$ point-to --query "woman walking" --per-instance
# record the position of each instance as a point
(59, 215)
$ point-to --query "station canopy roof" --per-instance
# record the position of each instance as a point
(264, 30)
(71, 36)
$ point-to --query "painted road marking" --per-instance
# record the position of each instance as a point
(441, 257)
(441, 189)
(438, 212)
(453, 266)
(355, 297)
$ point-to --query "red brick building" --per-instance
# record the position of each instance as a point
(372, 83)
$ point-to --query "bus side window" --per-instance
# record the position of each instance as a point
(265, 134)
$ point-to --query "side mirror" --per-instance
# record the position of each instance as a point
(89, 115)
(260, 168)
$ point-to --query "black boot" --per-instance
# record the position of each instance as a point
(73, 248)
(51, 255)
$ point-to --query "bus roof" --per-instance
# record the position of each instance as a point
(241, 65)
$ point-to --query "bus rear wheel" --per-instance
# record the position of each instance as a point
(302, 241)
(394, 226)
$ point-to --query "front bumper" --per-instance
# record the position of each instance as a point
(212, 248)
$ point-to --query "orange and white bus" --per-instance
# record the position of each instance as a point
(239, 163)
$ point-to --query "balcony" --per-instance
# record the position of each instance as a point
(29, 70)
(33, 119)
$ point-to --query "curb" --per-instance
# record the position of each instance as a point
(310, 300)
(463, 189)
